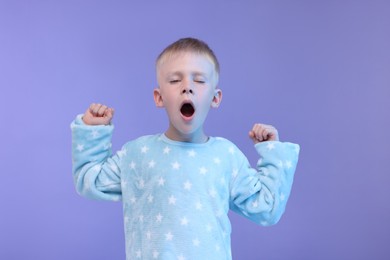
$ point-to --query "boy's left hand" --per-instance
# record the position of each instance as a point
(262, 133)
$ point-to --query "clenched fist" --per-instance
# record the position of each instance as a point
(98, 114)
(262, 133)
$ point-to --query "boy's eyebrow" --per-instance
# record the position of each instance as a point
(196, 73)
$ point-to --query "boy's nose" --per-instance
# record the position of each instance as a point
(187, 91)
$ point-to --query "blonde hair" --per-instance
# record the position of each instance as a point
(188, 45)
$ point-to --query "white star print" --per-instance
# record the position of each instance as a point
(255, 204)
(151, 164)
(217, 160)
(264, 223)
(209, 228)
(231, 150)
(288, 164)
(141, 218)
(271, 146)
(107, 146)
(141, 184)
(166, 150)
(113, 167)
(150, 198)
(80, 147)
(187, 185)
(122, 153)
(172, 200)
(280, 163)
(149, 235)
(184, 221)
(132, 165)
(97, 168)
(191, 153)
(155, 254)
(203, 170)
(133, 200)
(144, 149)
(168, 236)
(159, 218)
(161, 181)
(198, 206)
(282, 196)
(219, 213)
(212, 193)
(95, 133)
(138, 254)
(235, 173)
(175, 165)
(181, 257)
(196, 242)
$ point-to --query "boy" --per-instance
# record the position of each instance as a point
(177, 187)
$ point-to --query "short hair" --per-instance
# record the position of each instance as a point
(191, 45)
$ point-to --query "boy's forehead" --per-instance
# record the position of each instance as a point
(177, 58)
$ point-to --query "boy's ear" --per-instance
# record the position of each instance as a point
(158, 98)
(217, 98)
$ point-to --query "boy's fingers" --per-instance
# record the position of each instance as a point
(94, 108)
(263, 132)
(109, 113)
(102, 110)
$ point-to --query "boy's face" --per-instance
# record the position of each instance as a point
(187, 89)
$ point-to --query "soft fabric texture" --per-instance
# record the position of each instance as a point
(176, 195)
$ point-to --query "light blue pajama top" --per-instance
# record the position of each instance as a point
(176, 195)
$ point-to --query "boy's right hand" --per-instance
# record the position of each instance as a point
(98, 114)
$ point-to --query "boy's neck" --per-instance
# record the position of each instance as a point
(197, 137)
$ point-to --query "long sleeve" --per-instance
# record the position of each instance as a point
(261, 194)
(96, 172)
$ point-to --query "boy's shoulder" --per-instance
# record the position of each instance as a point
(142, 140)
(223, 141)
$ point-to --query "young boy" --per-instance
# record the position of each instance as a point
(177, 187)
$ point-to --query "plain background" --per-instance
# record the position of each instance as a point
(317, 70)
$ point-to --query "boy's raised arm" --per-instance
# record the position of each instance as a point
(261, 193)
(96, 172)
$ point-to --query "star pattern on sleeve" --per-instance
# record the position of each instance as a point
(169, 236)
(80, 147)
(132, 165)
(184, 221)
(270, 146)
(95, 133)
(175, 165)
(187, 185)
(203, 170)
(161, 181)
(172, 200)
(144, 149)
(159, 218)
(151, 164)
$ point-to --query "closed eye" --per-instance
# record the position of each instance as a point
(200, 81)
(174, 81)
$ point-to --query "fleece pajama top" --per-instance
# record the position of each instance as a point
(176, 195)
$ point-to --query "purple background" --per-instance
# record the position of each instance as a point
(317, 70)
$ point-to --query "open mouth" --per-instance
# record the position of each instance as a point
(187, 110)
